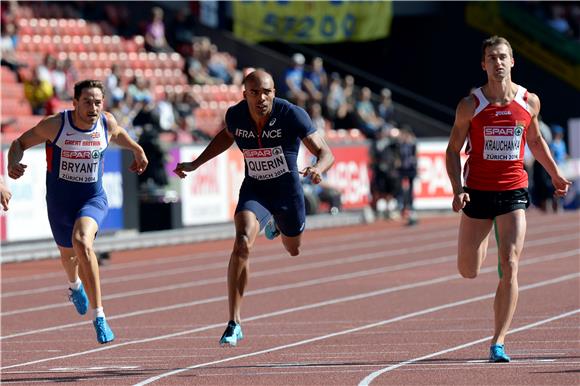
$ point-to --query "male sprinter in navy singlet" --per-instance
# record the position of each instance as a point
(268, 131)
(76, 141)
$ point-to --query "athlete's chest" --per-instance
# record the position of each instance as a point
(273, 133)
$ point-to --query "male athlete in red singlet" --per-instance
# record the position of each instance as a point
(497, 120)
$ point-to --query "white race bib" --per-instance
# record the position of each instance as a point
(502, 143)
(79, 166)
(265, 164)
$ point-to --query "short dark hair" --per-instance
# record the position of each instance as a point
(495, 41)
(88, 83)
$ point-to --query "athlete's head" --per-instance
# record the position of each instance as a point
(88, 100)
(259, 92)
(497, 58)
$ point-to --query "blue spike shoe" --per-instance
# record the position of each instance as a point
(79, 299)
(271, 231)
(232, 334)
(497, 354)
(104, 332)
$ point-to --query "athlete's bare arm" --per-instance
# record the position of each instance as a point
(540, 149)
(220, 143)
(317, 145)
(119, 136)
(463, 114)
(45, 131)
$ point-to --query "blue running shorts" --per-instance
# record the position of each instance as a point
(62, 217)
(285, 205)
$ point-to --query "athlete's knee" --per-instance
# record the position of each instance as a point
(292, 247)
(468, 271)
(83, 244)
(509, 269)
(242, 246)
(294, 250)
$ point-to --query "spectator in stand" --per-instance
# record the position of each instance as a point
(542, 187)
(558, 20)
(335, 98)
(165, 111)
(560, 154)
(58, 80)
(316, 80)
(558, 146)
(349, 89)
(222, 66)
(317, 119)
(8, 48)
(385, 182)
(386, 109)
(124, 111)
(155, 40)
(71, 77)
(180, 32)
(407, 173)
(196, 68)
(38, 91)
(293, 80)
(139, 90)
(113, 85)
(369, 122)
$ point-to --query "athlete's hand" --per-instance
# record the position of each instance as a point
(459, 201)
(313, 173)
(16, 170)
(561, 185)
(5, 196)
(183, 167)
(140, 162)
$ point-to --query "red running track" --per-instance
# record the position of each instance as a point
(378, 304)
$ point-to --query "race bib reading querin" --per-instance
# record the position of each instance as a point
(265, 164)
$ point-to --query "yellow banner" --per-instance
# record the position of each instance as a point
(312, 21)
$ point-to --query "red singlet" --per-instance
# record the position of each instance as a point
(495, 144)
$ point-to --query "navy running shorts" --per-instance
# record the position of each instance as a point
(62, 217)
(285, 205)
(490, 204)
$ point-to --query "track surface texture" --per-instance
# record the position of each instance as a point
(378, 304)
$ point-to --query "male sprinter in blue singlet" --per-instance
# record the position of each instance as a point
(268, 131)
(76, 201)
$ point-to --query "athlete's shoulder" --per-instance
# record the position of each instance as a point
(467, 105)
(532, 99)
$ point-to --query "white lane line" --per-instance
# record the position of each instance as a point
(264, 256)
(299, 267)
(287, 311)
(255, 260)
(361, 328)
(375, 234)
(307, 283)
(368, 379)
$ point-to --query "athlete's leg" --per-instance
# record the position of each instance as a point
(69, 263)
(247, 229)
(511, 234)
(292, 244)
(472, 244)
(84, 231)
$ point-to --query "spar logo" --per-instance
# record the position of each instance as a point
(80, 154)
(260, 153)
(499, 131)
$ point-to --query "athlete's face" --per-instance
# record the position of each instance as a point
(498, 62)
(89, 105)
(259, 93)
